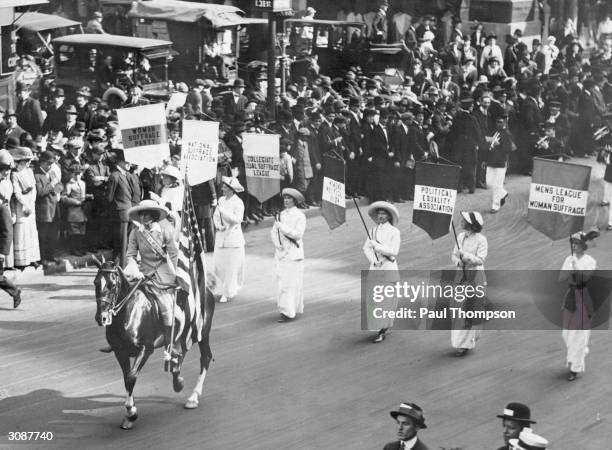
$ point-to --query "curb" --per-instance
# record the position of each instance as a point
(69, 264)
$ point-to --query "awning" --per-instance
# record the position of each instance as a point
(15, 3)
(34, 21)
(178, 11)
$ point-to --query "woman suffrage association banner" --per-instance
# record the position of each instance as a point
(435, 194)
(262, 164)
(558, 197)
(200, 150)
(143, 130)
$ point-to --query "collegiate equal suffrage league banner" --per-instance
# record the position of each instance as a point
(333, 206)
(200, 150)
(143, 130)
(262, 164)
(435, 194)
(558, 197)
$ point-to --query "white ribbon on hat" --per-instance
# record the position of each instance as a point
(508, 412)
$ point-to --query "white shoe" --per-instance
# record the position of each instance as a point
(167, 356)
(223, 299)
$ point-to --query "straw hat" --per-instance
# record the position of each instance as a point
(171, 171)
(412, 410)
(148, 205)
(295, 194)
(472, 217)
(233, 184)
(391, 210)
(528, 440)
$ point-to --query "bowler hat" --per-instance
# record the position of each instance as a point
(517, 411)
(11, 142)
(80, 126)
(59, 92)
(46, 156)
(96, 135)
(411, 410)
(10, 112)
(239, 82)
(394, 219)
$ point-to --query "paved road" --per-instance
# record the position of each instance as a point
(316, 383)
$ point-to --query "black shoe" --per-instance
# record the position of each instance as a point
(604, 204)
(17, 298)
(378, 339)
(572, 376)
(461, 352)
(283, 318)
(502, 202)
(481, 186)
(106, 349)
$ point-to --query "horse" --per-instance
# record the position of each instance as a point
(134, 330)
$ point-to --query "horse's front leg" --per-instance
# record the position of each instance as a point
(205, 357)
(130, 381)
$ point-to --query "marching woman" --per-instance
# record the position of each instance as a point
(381, 250)
(577, 306)
(229, 242)
(286, 234)
(469, 256)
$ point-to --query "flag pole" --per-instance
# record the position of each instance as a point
(458, 248)
(364, 224)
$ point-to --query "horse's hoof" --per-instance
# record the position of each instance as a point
(191, 404)
(178, 383)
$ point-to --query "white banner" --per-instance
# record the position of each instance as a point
(333, 192)
(434, 199)
(200, 150)
(545, 197)
(262, 164)
(144, 134)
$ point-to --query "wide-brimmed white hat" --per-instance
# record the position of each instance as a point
(528, 440)
(472, 217)
(391, 210)
(148, 205)
(295, 194)
(172, 171)
(233, 184)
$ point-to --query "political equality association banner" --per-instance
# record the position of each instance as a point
(558, 197)
(200, 150)
(262, 164)
(435, 194)
(333, 206)
(143, 130)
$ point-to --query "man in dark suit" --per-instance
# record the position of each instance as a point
(465, 136)
(483, 117)
(119, 196)
(96, 181)
(13, 130)
(378, 155)
(236, 101)
(404, 152)
(28, 110)
(6, 231)
(48, 186)
(409, 418)
(56, 113)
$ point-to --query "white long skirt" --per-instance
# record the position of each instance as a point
(462, 338)
(25, 239)
(577, 343)
(290, 287)
(229, 269)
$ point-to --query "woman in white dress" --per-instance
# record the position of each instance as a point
(171, 196)
(577, 306)
(287, 233)
(229, 242)
(469, 257)
(381, 249)
(26, 250)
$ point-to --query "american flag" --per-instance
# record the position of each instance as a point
(191, 272)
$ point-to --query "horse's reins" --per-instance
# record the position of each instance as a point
(116, 308)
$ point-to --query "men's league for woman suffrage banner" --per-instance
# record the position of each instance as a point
(262, 164)
(200, 150)
(435, 194)
(333, 206)
(143, 130)
(558, 197)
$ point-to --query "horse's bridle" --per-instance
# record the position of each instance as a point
(111, 299)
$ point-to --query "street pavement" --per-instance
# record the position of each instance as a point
(317, 382)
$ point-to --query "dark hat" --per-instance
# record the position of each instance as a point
(239, 126)
(340, 120)
(76, 168)
(411, 410)
(97, 100)
(96, 135)
(554, 104)
(98, 148)
(70, 109)
(199, 82)
(369, 112)
(284, 142)
(446, 73)
(10, 112)
(11, 142)
(407, 116)
(354, 101)
(408, 81)
(84, 92)
(502, 114)
(304, 131)
(46, 156)
(22, 86)
(117, 155)
(59, 92)
(285, 116)
(80, 126)
(518, 412)
(492, 36)
(239, 82)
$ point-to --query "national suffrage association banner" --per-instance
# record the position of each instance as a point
(200, 150)
(262, 164)
(143, 130)
(558, 197)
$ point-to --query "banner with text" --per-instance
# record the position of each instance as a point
(435, 194)
(262, 164)
(558, 197)
(333, 206)
(200, 150)
(144, 134)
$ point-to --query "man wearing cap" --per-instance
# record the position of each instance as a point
(528, 440)
(94, 26)
(409, 418)
(48, 188)
(236, 101)
(28, 110)
(516, 417)
(56, 113)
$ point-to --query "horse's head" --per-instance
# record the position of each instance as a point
(108, 283)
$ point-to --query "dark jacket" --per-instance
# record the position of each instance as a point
(397, 446)
(56, 119)
(498, 156)
(6, 228)
(119, 196)
(30, 116)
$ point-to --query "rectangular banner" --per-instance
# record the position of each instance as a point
(435, 194)
(333, 206)
(558, 197)
(200, 150)
(262, 164)
(144, 134)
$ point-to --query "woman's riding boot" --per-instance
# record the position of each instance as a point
(167, 342)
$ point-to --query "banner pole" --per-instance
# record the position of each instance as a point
(364, 224)
(459, 248)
